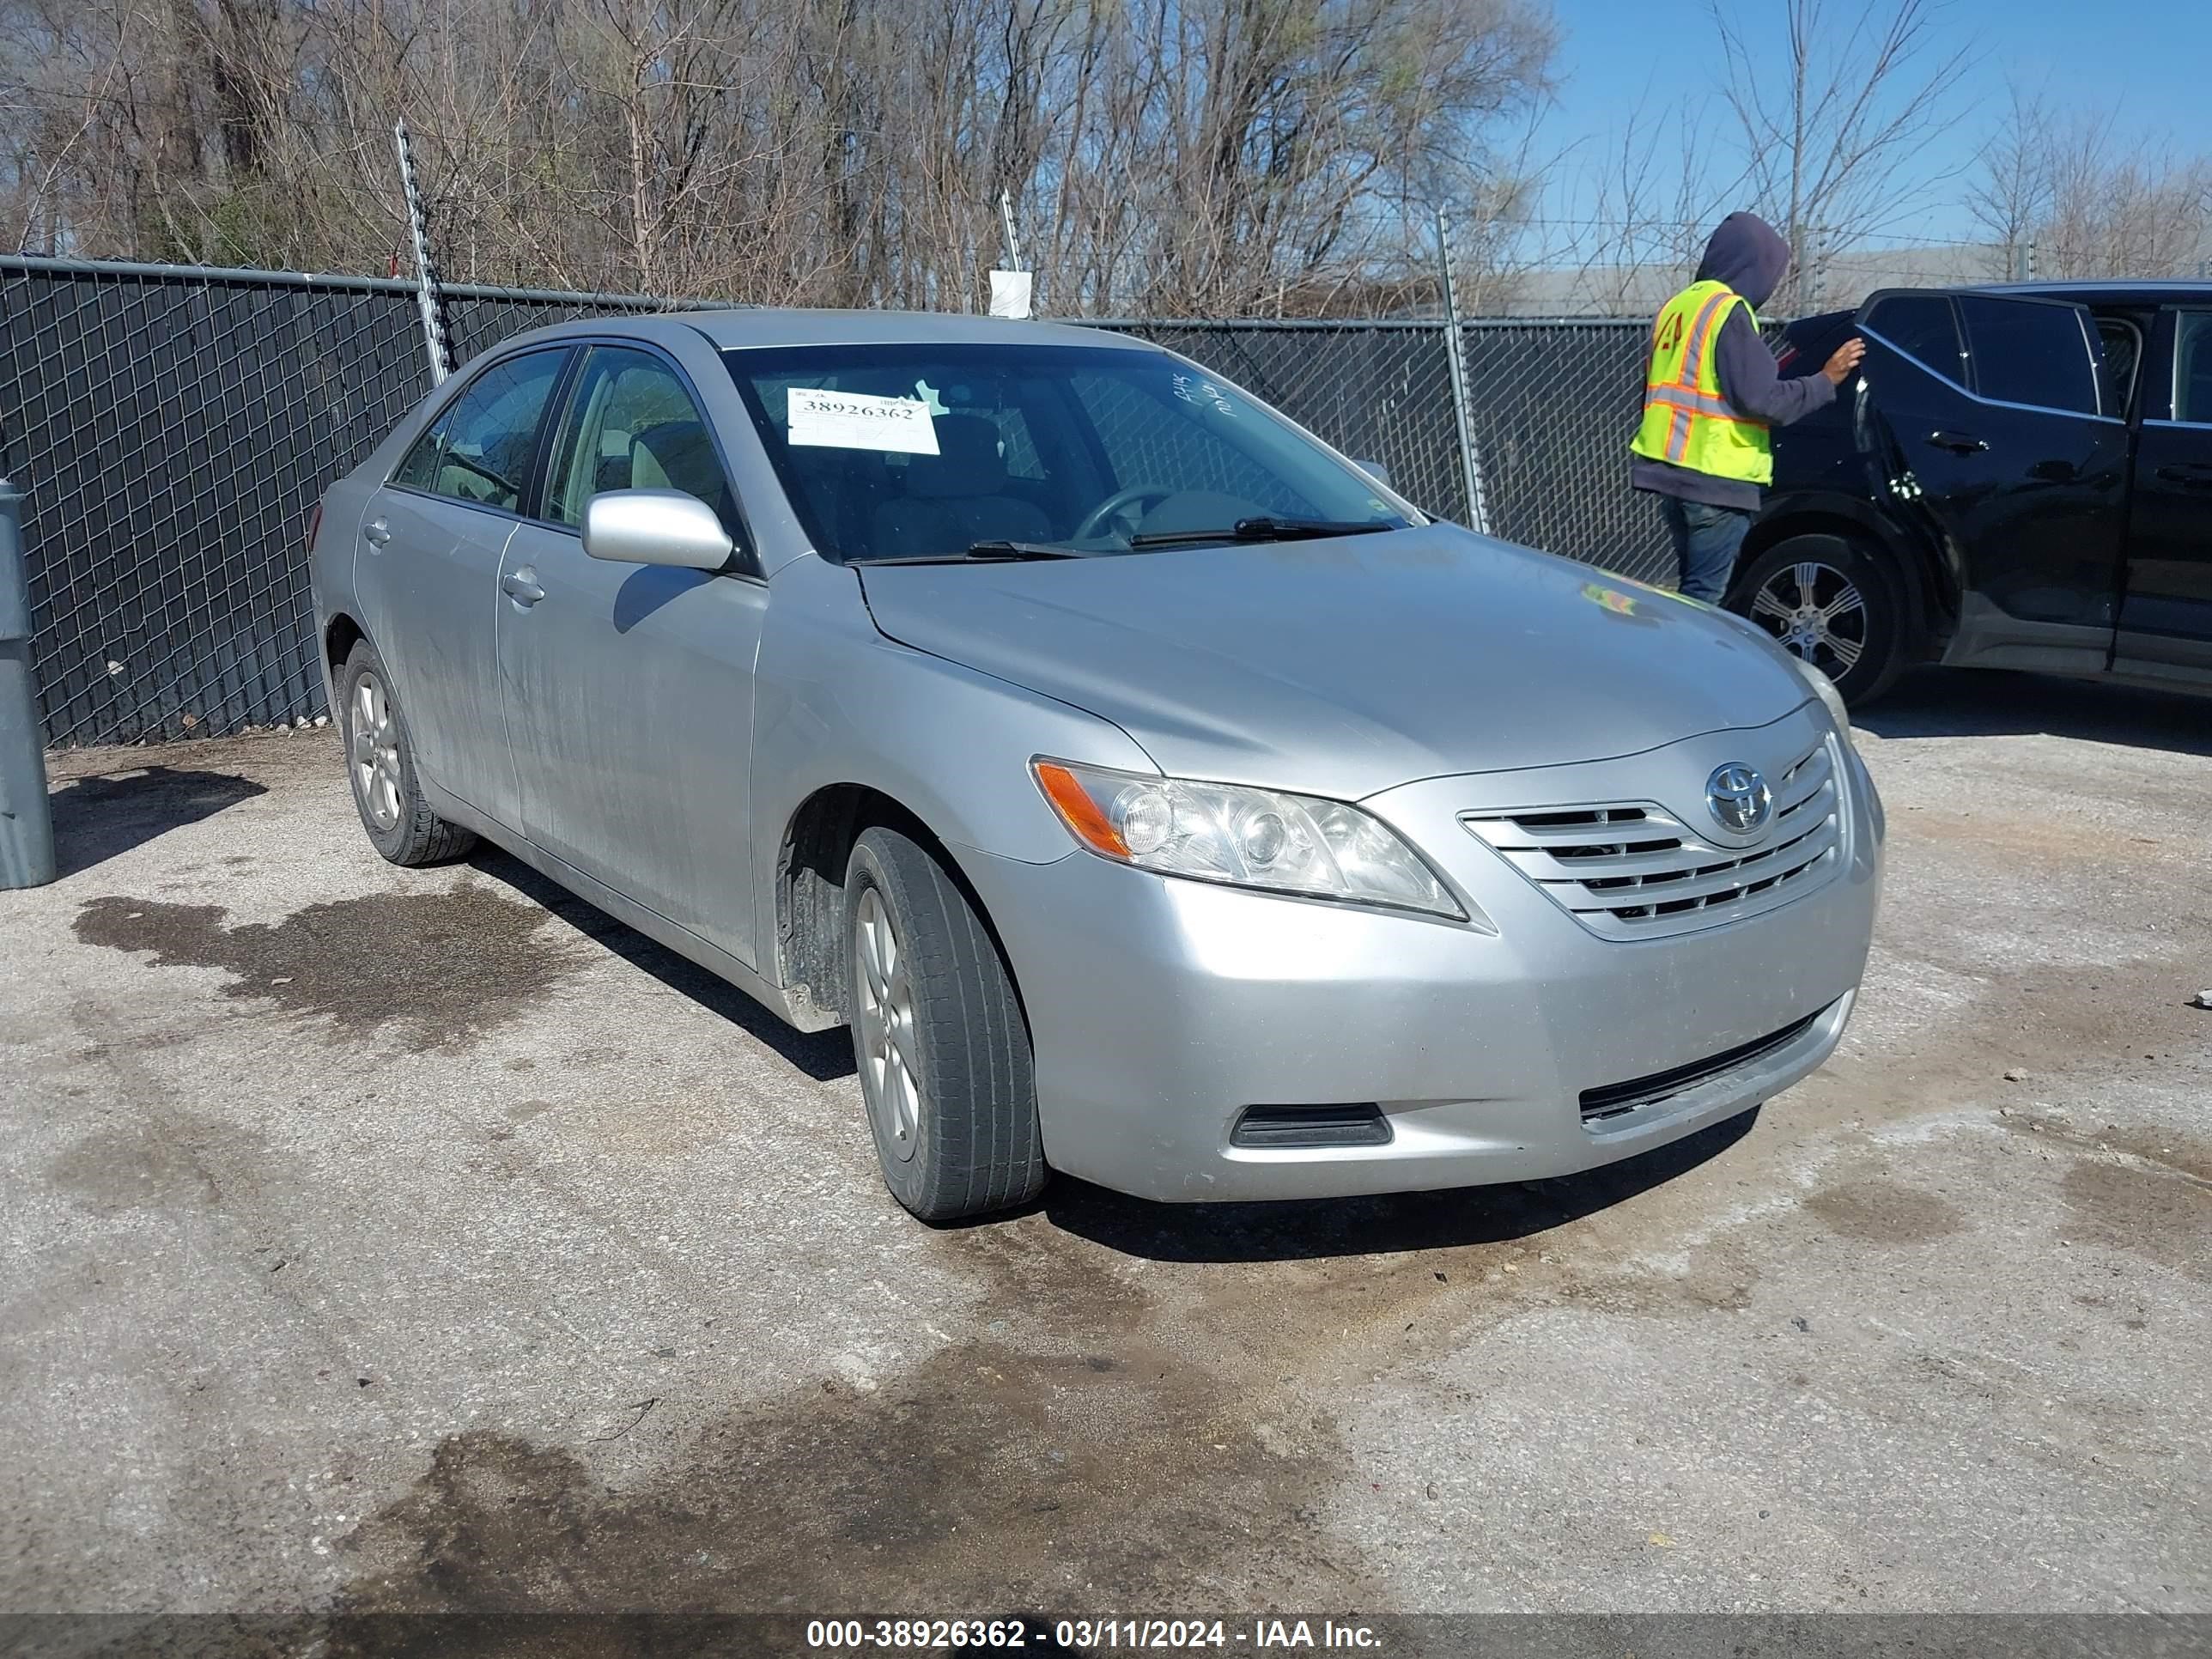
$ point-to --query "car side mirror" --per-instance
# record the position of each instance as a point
(655, 527)
(1376, 470)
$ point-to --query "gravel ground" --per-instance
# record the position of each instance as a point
(383, 1239)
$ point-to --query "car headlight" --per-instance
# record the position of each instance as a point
(1244, 837)
(1825, 690)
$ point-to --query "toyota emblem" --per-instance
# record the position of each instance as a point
(1738, 798)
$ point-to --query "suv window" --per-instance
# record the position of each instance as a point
(1922, 326)
(480, 449)
(632, 425)
(2123, 347)
(2192, 368)
(2027, 351)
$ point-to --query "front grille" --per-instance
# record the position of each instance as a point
(1616, 1098)
(1633, 870)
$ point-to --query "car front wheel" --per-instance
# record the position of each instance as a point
(1832, 603)
(938, 1038)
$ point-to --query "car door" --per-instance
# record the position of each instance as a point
(431, 541)
(1984, 419)
(2166, 614)
(628, 688)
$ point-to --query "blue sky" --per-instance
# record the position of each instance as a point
(1615, 53)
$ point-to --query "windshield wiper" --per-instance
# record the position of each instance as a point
(1264, 529)
(990, 552)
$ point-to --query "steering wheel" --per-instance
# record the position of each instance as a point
(1095, 521)
(505, 485)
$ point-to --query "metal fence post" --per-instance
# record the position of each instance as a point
(428, 299)
(27, 824)
(1478, 510)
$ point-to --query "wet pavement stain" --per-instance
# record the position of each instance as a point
(144, 1165)
(441, 969)
(2163, 1215)
(994, 1476)
(1884, 1212)
(1127, 1428)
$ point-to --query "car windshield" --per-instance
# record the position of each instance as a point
(930, 451)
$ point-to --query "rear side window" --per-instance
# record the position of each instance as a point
(2027, 352)
(2192, 368)
(2123, 349)
(480, 449)
(1923, 326)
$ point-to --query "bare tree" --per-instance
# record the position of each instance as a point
(1178, 157)
(2087, 200)
(1655, 192)
(1835, 127)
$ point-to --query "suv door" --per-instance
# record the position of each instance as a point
(1985, 418)
(2165, 615)
(431, 541)
(630, 688)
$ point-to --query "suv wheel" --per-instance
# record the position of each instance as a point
(939, 1036)
(1832, 603)
(380, 764)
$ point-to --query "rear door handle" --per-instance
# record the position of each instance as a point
(2188, 472)
(1959, 443)
(521, 585)
(376, 532)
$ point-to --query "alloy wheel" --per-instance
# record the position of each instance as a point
(1817, 611)
(891, 1074)
(375, 746)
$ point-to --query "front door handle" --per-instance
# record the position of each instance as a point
(2192, 473)
(376, 532)
(521, 585)
(1959, 443)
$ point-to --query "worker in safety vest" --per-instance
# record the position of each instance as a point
(1711, 393)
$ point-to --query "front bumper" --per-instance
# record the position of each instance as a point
(1160, 1009)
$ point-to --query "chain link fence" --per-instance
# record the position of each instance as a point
(173, 427)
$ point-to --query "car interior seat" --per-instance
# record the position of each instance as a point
(956, 496)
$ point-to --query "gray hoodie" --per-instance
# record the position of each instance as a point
(1749, 255)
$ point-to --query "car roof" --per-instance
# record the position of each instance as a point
(740, 328)
(2139, 290)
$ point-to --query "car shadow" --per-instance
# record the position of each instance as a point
(825, 1056)
(100, 817)
(1989, 703)
(1310, 1229)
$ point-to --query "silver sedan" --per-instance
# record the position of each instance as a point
(1158, 796)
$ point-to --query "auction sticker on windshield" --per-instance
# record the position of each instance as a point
(861, 420)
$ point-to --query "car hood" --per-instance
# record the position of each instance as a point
(1345, 666)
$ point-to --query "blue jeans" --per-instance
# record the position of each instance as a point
(1706, 541)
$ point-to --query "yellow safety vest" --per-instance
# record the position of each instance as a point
(1685, 419)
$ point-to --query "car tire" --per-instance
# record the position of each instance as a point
(380, 767)
(1833, 602)
(938, 1038)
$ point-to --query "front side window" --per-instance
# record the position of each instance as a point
(923, 451)
(2027, 351)
(2192, 368)
(632, 425)
(480, 449)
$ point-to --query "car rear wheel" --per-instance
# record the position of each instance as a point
(1832, 603)
(380, 764)
(938, 1038)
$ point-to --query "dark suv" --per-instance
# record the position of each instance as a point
(2019, 478)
